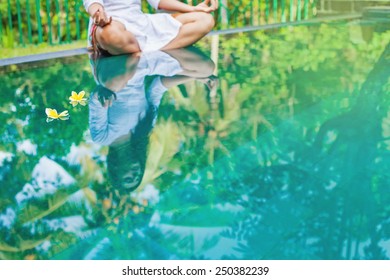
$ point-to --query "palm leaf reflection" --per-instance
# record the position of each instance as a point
(258, 170)
(342, 218)
(31, 227)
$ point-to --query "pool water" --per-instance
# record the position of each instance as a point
(271, 144)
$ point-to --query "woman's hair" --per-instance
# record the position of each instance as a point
(104, 94)
(127, 161)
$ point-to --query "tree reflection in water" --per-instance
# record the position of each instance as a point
(287, 157)
(332, 198)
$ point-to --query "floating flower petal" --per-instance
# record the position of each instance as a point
(64, 115)
(53, 115)
(78, 98)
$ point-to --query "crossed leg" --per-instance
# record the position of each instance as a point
(194, 64)
(115, 39)
(195, 26)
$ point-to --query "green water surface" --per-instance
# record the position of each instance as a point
(286, 155)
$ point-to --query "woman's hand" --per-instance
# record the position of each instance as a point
(207, 6)
(100, 18)
(104, 95)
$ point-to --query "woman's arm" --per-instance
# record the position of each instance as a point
(206, 6)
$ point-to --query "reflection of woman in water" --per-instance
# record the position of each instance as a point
(123, 108)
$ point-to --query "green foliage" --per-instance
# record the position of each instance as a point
(7, 39)
(8, 52)
(31, 22)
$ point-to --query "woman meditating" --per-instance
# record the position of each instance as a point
(120, 26)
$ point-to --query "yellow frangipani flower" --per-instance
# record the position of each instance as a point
(78, 98)
(53, 115)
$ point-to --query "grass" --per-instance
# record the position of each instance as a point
(37, 49)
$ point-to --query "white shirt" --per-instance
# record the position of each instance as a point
(107, 125)
(153, 31)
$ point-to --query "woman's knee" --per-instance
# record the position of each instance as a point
(206, 21)
(208, 68)
(112, 36)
